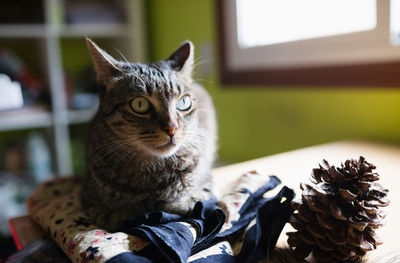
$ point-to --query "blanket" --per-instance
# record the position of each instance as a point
(242, 226)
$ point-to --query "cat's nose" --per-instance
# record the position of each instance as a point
(170, 130)
(170, 127)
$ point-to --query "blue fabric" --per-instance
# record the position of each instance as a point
(173, 242)
(271, 217)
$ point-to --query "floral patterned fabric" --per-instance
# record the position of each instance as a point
(251, 225)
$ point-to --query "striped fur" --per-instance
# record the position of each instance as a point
(128, 172)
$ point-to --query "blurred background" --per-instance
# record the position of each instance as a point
(283, 75)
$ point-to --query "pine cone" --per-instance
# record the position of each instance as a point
(337, 215)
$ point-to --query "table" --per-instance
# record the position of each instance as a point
(295, 166)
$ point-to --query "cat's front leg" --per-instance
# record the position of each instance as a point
(108, 219)
(187, 200)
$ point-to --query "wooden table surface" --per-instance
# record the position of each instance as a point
(295, 167)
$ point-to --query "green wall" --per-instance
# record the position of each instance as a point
(259, 121)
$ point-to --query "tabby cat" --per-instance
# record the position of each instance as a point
(152, 142)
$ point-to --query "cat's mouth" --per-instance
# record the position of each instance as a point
(165, 147)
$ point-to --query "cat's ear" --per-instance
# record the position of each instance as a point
(104, 64)
(182, 59)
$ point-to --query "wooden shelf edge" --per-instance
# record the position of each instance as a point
(93, 30)
(22, 30)
(25, 118)
(67, 30)
(81, 115)
(31, 118)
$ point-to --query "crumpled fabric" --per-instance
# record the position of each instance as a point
(173, 240)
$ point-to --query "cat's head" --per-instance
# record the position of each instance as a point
(149, 106)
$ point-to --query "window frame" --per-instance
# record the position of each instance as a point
(359, 74)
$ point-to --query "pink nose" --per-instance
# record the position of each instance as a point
(170, 130)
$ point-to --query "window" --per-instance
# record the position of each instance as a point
(310, 42)
(261, 22)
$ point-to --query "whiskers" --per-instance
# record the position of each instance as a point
(111, 146)
(204, 80)
(133, 72)
(194, 139)
(113, 149)
(197, 63)
(204, 110)
(124, 58)
(200, 61)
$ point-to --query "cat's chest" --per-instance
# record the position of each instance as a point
(177, 167)
(159, 173)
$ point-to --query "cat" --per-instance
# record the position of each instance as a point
(152, 142)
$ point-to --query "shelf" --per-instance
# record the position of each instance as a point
(22, 30)
(37, 117)
(25, 118)
(93, 30)
(50, 37)
(81, 115)
(74, 30)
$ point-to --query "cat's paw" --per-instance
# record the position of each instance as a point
(184, 205)
(183, 208)
(108, 219)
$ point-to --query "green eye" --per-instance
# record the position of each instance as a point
(140, 105)
(184, 103)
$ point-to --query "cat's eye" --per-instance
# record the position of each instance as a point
(184, 103)
(140, 105)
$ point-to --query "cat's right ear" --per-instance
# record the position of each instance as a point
(104, 64)
(182, 59)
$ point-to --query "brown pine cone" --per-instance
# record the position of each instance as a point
(338, 214)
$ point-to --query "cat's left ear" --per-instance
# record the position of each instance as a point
(182, 59)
